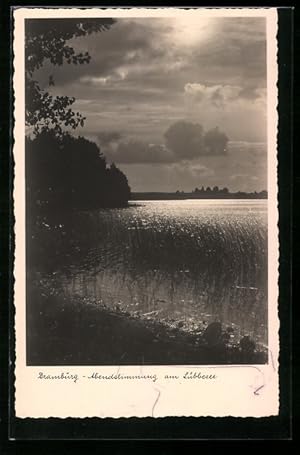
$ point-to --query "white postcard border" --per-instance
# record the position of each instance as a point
(240, 391)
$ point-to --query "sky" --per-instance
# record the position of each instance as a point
(175, 102)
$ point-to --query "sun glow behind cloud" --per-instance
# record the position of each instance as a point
(189, 31)
(146, 74)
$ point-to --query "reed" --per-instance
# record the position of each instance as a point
(189, 262)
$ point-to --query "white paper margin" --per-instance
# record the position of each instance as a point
(240, 391)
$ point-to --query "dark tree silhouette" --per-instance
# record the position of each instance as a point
(62, 171)
(119, 191)
(65, 173)
(46, 39)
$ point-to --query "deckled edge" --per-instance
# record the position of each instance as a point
(116, 10)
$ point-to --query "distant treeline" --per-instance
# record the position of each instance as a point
(203, 193)
(65, 173)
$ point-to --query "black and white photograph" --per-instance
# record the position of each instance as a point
(146, 191)
(146, 211)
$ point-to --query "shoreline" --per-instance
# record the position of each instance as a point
(62, 330)
(161, 196)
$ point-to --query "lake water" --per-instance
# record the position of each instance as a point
(187, 262)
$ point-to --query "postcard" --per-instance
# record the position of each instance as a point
(146, 221)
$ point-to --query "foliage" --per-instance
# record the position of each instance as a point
(63, 171)
(66, 173)
(215, 190)
(47, 40)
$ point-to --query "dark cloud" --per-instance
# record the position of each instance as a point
(235, 170)
(108, 137)
(135, 151)
(147, 74)
(125, 44)
(188, 141)
(236, 50)
(238, 45)
(183, 141)
(215, 142)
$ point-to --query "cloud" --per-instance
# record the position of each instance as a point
(183, 141)
(129, 43)
(224, 48)
(136, 151)
(219, 96)
(236, 51)
(116, 76)
(188, 140)
(108, 137)
(252, 93)
(238, 176)
(140, 66)
(195, 170)
(215, 142)
(237, 170)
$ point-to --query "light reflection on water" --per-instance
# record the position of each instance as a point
(177, 260)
